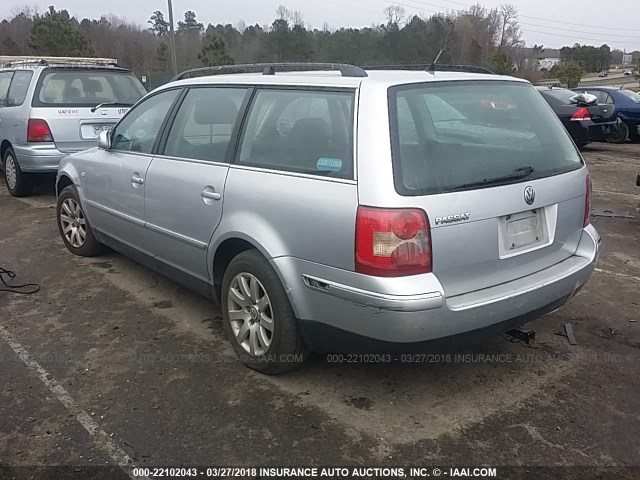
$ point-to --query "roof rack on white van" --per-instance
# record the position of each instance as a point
(14, 61)
(345, 69)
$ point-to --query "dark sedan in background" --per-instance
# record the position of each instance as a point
(584, 122)
(627, 107)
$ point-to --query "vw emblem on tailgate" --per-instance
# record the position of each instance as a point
(529, 195)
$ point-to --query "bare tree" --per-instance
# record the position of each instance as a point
(394, 14)
(510, 34)
(283, 13)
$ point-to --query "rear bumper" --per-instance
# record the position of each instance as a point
(415, 309)
(38, 159)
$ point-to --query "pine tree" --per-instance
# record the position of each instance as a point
(57, 34)
(214, 52)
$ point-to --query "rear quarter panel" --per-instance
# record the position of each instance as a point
(285, 214)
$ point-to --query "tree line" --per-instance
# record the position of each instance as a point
(476, 36)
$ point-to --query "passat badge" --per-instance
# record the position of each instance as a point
(529, 195)
(452, 218)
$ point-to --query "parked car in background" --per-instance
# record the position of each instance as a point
(627, 106)
(628, 72)
(603, 73)
(582, 121)
(50, 108)
(343, 212)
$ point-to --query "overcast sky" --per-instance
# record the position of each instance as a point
(592, 22)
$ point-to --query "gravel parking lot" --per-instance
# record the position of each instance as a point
(109, 362)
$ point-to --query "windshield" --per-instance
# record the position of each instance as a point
(79, 88)
(452, 134)
(632, 95)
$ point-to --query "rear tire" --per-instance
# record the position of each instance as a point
(19, 184)
(258, 317)
(74, 226)
(621, 135)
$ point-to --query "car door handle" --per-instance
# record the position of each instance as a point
(137, 179)
(210, 195)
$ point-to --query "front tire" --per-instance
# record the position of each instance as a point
(258, 317)
(19, 184)
(73, 225)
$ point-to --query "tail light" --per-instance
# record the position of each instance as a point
(587, 203)
(392, 242)
(38, 131)
(581, 114)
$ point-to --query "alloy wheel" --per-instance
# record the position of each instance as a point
(73, 222)
(10, 171)
(250, 314)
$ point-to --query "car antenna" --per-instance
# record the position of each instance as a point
(432, 68)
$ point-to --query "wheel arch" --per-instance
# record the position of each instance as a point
(4, 146)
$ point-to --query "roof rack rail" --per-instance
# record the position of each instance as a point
(14, 61)
(345, 69)
(438, 67)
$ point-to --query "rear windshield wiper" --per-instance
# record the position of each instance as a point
(517, 174)
(110, 104)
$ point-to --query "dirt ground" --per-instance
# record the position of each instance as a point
(110, 362)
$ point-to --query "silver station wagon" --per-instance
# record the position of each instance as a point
(342, 209)
(51, 106)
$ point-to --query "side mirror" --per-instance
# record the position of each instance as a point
(104, 140)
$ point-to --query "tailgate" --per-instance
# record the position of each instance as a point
(77, 128)
(505, 238)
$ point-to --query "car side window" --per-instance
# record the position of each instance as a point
(5, 81)
(18, 89)
(203, 126)
(300, 131)
(137, 131)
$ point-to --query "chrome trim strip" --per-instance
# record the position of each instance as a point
(154, 228)
(115, 213)
(176, 236)
(396, 303)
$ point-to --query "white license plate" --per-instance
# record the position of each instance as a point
(92, 131)
(523, 230)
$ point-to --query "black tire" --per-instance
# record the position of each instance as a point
(90, 247)
(621, 134)
(20, 184)
(287, 349)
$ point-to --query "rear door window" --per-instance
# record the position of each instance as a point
(18, 88)
(204, 124)
(87, 88)
(5, 81)
(300, 131)
(450, 136)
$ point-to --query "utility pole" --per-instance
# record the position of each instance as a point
(172, 39)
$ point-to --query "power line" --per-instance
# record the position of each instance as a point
(609, 39)
(536, 18)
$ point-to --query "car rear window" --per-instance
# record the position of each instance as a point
(83, 88)
(450, 136)
(561, 94)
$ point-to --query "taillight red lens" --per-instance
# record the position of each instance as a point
(38, 131)
(581, 114)
(587, 203)
(392, 242)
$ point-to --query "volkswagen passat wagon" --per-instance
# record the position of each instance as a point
(321, 208)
